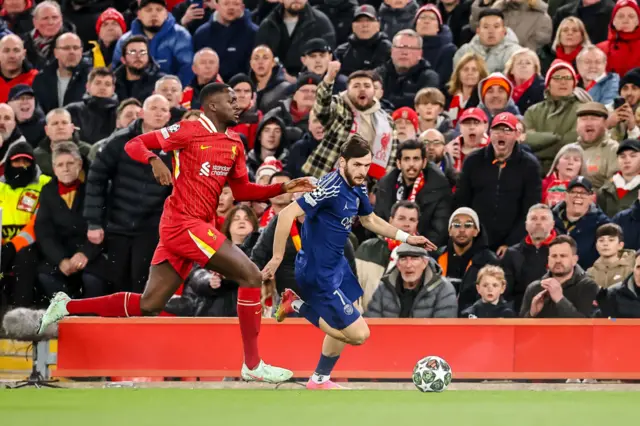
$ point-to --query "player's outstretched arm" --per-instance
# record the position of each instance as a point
(381, 227)
(139, 148)
(243, 190)
(283, 227)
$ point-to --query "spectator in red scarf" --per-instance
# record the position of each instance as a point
(463, 85)
(621, 190)
(621, 47)
(473, 136)
(250, 115)
(568, 164)
(570, 39)
(523, 70)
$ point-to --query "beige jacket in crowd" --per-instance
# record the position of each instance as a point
(600, 159)
(607, 275)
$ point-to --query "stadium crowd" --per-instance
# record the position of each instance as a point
(507, 132)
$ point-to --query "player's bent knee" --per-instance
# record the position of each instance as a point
(358, 333)
(252, 277)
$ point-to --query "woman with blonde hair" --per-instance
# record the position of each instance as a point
(568, 164)
(523, 70)
(463, 85)
(571, 37)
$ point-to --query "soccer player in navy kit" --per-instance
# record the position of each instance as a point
(327, 285)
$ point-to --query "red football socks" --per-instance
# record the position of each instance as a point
(114, 305)
(249, 316)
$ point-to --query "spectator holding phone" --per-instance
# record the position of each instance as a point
(622, 120)
(192, 14)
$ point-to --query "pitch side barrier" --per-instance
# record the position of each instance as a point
(476, 349)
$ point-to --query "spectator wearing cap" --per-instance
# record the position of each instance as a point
(127, 112)
(294, 110)
(301, 149)
(397, 15)
(170, 43)
(84, 16)
(414, 288)
(621, 190)
(289, 26)
(406, 72)
(495, 96)
(599, 149)
(437, 153)
(551, 123)
(464, 253)
(137, 75)
(523, 70)
(623, 121)
(594, 14)
(429, 103)
(250, 115)
(579, 217)
(170, 87)
(14, 68)
(28, 115)
(231, 34)
(316, 58)
(462, 88)
(419, 181)
(505, 173)
(340, 13)
(493, 41)
(571, 37)
(568, 164)
(18, 15)
(191, 16)
(592, 66)
(95, 114)
(109, 27)
(270, 142)
(437, 41)
(405, 121)
(206, 67)
(368, 47)
(528, 19)
(623, 41)
(268, 77)
(9, 133)
(473, 136)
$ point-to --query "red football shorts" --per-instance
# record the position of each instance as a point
(184, 242)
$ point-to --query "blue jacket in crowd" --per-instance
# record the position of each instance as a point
(629, 221)
(606, 90)
(171, 48)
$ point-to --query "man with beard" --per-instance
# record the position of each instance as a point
(9, 133)
(63, 80)
(268, 77)
(95, 115)
(526, 261)
(355, 111)
(465, 253)
(622, 120)
(420, 181)
(110, 26)
(29, 115)
(504, 173)
(289, 26)
(20, 190)
(599, 148)
(206, 66)
(14, 69)
(171, 48)
(137, 76)
(563, 292)
(170, 87)
(579, 217)
(438, 155)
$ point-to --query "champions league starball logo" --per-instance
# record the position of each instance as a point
(348, 309)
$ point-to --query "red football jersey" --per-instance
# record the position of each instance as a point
(202, 160)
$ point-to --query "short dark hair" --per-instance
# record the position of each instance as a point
(279, 174)
(101, 72)
(404, 204)
(375, 76)
(133, 39)
(212, 89)
(565, 239)
(410, 144)
(126, 103)
(355, 147)
(490, 12)
(610, 230)
(360, 74)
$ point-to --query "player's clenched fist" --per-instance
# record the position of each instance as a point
(160, 171)
(304, 184)
(420, 241)
(332, 71)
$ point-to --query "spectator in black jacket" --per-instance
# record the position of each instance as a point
(418, 180)
(623, 299)
(315, 59)
(206, 67)
(124, 201)
(109, 28)
(367, 48)
(406, 72)
(18, 14)
(29, 115)
(95, 115)
(268, 77)
(83, 15)
(455, 14)
(629, 221)
(397, 15)
(127, 112)
(9, 133)
(137, 76)
(289, 26)
(340, 13)
(170, 87)
(48, 24)
(501, 182)
(271, 141)
(525, 262)
(491, 285)
(594, 16)
(192, 17)
(64, 79)
(300, 151)
(71, 263)
(437, 41)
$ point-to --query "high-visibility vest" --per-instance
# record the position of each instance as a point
(19, 206)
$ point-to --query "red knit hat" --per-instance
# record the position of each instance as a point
(429, 8)
(556, 66)
(111, 15)
(408, 114)
(270, 166)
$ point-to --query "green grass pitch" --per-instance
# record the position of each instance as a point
(187, 407)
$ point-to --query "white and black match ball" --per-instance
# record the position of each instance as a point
(432, 374)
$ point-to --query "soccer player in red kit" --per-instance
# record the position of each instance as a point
(205, 156)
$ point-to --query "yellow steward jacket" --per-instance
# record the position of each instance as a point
(18, 211)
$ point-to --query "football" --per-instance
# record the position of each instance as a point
(432, 374)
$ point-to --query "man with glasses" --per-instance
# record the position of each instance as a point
(137, 76)
(437, 154)
(465, 254)
(501, 182)
(406, 72)
(579, 217)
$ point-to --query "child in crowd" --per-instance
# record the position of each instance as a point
(491, 284)
(615, 263)
(429, 103)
